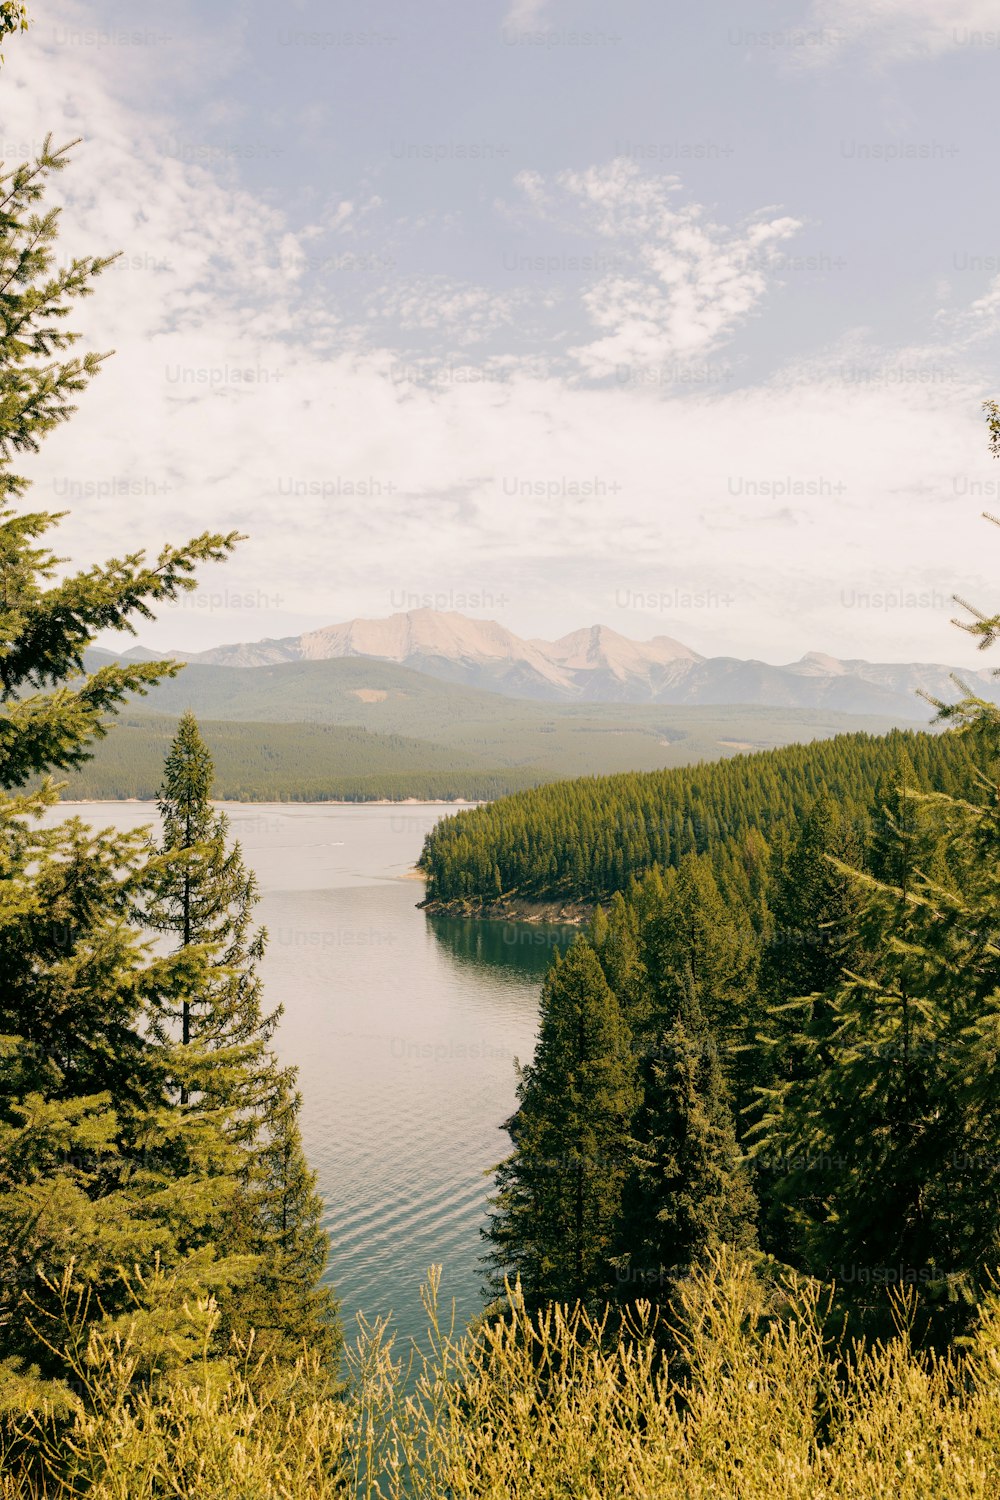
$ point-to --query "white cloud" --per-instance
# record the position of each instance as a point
(243, 396)
(524, 14)
(681, 284)
(972, 326)
(904, 29)
(464, 314)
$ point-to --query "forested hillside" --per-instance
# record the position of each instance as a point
(787, 1047)
(396, 740)
(559, 739)
(294, 762)
(581, 840)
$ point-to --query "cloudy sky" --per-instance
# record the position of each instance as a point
(674, 318)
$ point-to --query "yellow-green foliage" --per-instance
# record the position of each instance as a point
(759, 1407)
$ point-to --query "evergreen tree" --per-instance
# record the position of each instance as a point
(814, 937)
(693, 942)
(895, 823)
(616, 942)
(95, 1166)
(885, 1145)
(559, 1194)
(287, 1304)
(690, 1191)
(694, 936)
(204, 896)
(203, 893)
(812, 904)
(889, 1133)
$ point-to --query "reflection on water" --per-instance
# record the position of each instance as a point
(522, 948)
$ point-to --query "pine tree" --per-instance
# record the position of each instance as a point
(204, 896)
(559, 1195)
(815, 937)
(616, 942)
(689, 1191)
(93, 1166)
(287, 1305)
(695, 936)
(887, 1160)
(888, 1132)
(813, 904)
(894, 823)
(692, 940)
(202, 893)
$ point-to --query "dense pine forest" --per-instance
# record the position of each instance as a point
(584, 840)
(342, 727)
(292, 763)
(737, 1058)
(784, 1046)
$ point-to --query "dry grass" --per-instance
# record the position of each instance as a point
(550, 1408)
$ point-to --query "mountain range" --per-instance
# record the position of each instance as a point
(598, 665)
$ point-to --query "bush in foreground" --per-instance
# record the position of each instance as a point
(754, 1403)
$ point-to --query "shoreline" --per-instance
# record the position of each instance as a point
(288, 802)
(555, 913)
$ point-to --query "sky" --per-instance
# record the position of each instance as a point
(676, 319)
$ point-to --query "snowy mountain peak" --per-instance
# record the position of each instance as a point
(598, 665)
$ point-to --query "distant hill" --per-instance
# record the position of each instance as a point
(297, 762)
(389, 699)
(333, 728)
(597, 665)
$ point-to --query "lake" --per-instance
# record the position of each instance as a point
(404, 1028)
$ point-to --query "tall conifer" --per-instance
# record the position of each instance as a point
(559, 1194)
(689, 1191)
(202, 893)
(692, 941)
(888, 1129)
(204, 896)
(93, 1165)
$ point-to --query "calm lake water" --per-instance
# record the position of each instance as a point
(404, 1029)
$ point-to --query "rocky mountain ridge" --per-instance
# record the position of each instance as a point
(599, 665)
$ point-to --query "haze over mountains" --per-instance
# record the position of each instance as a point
(359, 726)
(438, 705)
(598, 665)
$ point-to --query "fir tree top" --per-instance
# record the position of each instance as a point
(47, 620)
